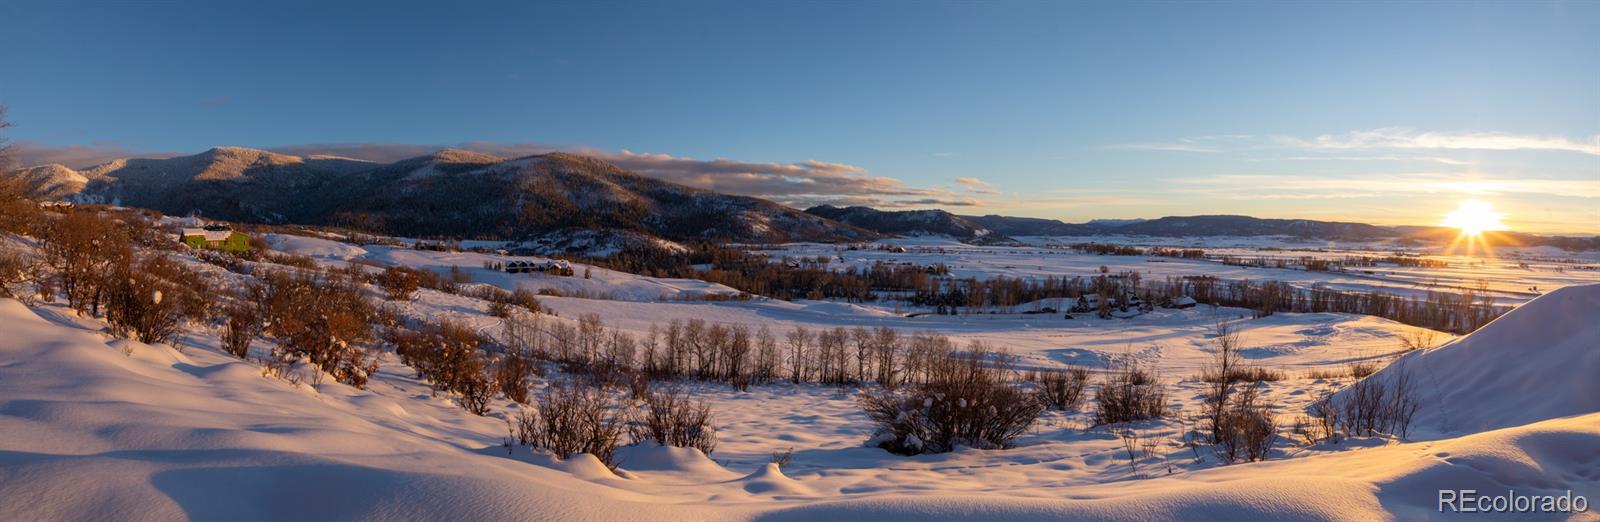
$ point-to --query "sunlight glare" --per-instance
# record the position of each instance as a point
(1474, 218)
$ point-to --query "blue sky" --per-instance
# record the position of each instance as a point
(1360, 111)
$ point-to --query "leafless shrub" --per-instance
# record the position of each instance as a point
(1130, 444)
(782, 458)
(1062, 389)
(241, 325)
(1247, 428)
(1326, 417)
(1403, 403)
(1361, 369)
(399, 283)
(17, 274)
(524, 427)
(84, 251)
(1370, 407)
(290, 260)
(577, 418)
(1325, 374)
(143, 300)
(501, 301)
(1225, 364)
(638, 385)
(965, 402)
(1419, 339)
(511, 377)
(1129, 393)
(323, 318)
(671, 418)
(475, 387)
(1245, 374)
(448, 354)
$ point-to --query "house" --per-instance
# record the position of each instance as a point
(554, 266)
(1180, 302)
(215, 237)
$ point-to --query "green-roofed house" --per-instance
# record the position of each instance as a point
(216, 237)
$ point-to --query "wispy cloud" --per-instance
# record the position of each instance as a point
(799, 184)
(1167, 147)
(1296, 187)
(1430, 159)
(1402, 138)
(1206, 143)
(972, 181)
(1387, 138)
(31, 153)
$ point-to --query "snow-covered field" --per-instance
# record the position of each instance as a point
(1511, 277)
(100, 428)
(600, 282)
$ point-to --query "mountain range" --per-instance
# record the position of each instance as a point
(993, 229)
(570, 202)
(447, 193)
(940, 222)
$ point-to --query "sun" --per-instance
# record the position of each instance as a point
(1474, 218)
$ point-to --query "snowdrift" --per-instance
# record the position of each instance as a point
(94, 433)
(1540, 361)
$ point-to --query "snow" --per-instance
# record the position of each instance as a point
(1501, 375)
(1512, 278)
(600, 283)
(99, 428)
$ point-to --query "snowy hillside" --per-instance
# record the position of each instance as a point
(1511, 371)
(141, 432)
(449, 192)
(600, 282)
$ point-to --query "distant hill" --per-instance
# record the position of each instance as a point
(923, 222)
(1026, 226)
(447, 193)
(905, 222)
(1225, 225)
(578, 202)
(51, 181)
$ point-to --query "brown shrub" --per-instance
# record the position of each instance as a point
(511, 376)
(1247, 429)
(1129, 393)
(1061, 389)
(324, 319)
(966, 402)
(149, 301)
(577, 418)
(399, 283)
(671, 418)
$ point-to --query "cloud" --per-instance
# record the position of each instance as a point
(379, 152)
(1432, 159)
(1297, 187)
(1208, 143)
(1387, 138)
(30, 153)
(797, 184)
(972, 181)
(1165, 147)
(1401, 138)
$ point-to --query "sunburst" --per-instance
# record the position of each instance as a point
(1473, 218)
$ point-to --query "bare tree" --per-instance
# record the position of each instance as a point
(5, 144)
(1222, 369)
(798, 338)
